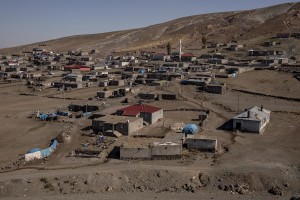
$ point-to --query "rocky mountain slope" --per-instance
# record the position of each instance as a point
(248, 27)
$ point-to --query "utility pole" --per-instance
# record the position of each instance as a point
(238, 102)
(180, 50)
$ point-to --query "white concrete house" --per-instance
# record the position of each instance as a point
(253, 120)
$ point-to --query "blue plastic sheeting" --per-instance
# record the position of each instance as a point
(141, 71)
(61, 113)
(44, 116)
(53, 114)
(87, 114)
(46, 152)
(72, 75)
(33, 150)
(190, 129)
(53, 144)
(184, 82)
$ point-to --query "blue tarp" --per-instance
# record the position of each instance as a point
(184, 82)
(53, 144)
(86, 114)
(53, 114)
(61, 113)
(190, 129)
(33, 150)
(141, 71)
(44, 116)
(46, 152)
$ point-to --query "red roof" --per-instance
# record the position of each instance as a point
(83, 69)
(188, 55)
(76, 66)
(134, 110)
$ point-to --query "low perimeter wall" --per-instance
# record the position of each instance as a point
(202, 144)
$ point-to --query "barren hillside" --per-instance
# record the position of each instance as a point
(248, 27)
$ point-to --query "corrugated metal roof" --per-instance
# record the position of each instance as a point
(138, 108)
(255, 114)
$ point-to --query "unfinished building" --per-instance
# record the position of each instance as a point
(147, 96)
(216, 88)
(209, 145)
(162, 150)
(67, 84)
(154, 150)
(168, 96)
(104, 94)
(122, 124)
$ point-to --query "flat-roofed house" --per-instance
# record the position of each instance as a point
(125, 125)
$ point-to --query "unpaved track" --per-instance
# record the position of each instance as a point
(108, 167)
(151, 195)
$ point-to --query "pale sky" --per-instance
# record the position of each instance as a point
(28, 21)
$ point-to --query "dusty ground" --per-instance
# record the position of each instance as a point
(267, 82)
(247, 166)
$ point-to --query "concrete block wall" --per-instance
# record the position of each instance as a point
(147, 96)
(169, 96)
(216, 89)
(135, 126)
(247, 125)
(202, 144)
(165, 149)
(156, 116)
(135, 152)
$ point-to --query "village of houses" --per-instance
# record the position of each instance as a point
(141, 106)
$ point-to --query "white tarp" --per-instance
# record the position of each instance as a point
(32, 156)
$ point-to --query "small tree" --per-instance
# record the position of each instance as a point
(169, 48)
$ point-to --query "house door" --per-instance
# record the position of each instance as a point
(238, 125)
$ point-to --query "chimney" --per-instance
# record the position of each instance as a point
(248, 114)
(261, 108)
